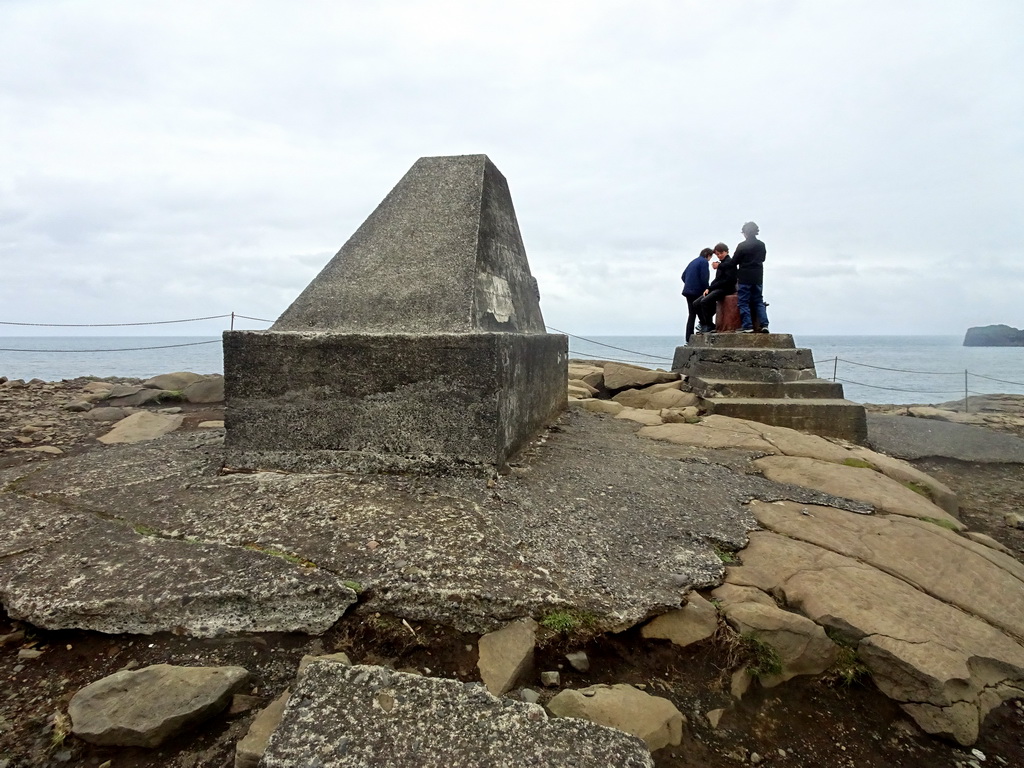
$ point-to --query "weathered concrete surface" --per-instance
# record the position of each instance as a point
(421, 345)
(65, 569)
(442, 253)
(146, 707)
(556, 533)
(916, 438)
(357, 716)
(308, 401)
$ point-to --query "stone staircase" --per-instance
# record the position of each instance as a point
(764, 377)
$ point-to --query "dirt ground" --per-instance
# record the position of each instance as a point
(805, 723)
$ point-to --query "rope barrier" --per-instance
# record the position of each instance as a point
(902, 370)
(579, 355)
(124, 349)
(1001, 381)
(602, 344)
(118, 325)
(585, 356)
(897, 389)
(260, 319)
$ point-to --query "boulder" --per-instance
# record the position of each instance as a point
(506, 656)
(640, 415)
(619, 376)
(579, 393)
(671, 398)
(802, 646)
(695, 621)
(143, 708)
(632, 398)
(859, 483)
(652, 718)
(106, 414)
(680, 415)
(174, 382)
(142, 426)
(578, 384)
(375, 716)
(208, 390)
(599, 406)
(250, 748)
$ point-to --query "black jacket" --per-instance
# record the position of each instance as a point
(725, 277)
(749, 259)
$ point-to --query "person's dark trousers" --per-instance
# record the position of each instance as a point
(692, 314)
(707, 306)
(751, 301)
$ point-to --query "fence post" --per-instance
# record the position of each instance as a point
(966, 398)
(835, 367)
(232, 321)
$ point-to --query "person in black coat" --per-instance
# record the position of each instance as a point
(749, 259)
(723, 285)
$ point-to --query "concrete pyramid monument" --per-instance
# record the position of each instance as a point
(421, 344)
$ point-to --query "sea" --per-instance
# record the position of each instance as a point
(872, 369)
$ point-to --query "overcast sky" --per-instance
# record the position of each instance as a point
(170, 160)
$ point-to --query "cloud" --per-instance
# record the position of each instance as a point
(186, 159)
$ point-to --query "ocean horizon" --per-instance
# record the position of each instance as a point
(872, 369)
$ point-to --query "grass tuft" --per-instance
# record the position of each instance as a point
(567, 621)
(859, 463)
(762, 658)
(949, 525)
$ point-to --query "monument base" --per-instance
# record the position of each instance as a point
(376, 402)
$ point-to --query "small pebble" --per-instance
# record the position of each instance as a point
(29, 653)
(550, 679)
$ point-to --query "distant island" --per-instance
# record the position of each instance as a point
(994, 336)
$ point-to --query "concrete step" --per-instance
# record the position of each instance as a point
(743, 340)
(828, 417)
(692, 360)
(806, 388)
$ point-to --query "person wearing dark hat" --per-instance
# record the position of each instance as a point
(749, 260)
(696, 278)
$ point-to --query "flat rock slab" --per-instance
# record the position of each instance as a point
(860, 483)
(357, 716)
(914, 438)
(146, 707)
(140, 426)
(946, 667)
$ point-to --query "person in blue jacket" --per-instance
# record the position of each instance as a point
(696, 278)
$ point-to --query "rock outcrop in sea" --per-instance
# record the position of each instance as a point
(994, 336)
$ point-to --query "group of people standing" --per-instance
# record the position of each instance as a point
(742, 274)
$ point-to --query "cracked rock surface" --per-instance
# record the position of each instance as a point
(936, 617)
(151, 536)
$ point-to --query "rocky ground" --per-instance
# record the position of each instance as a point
(590, 577)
